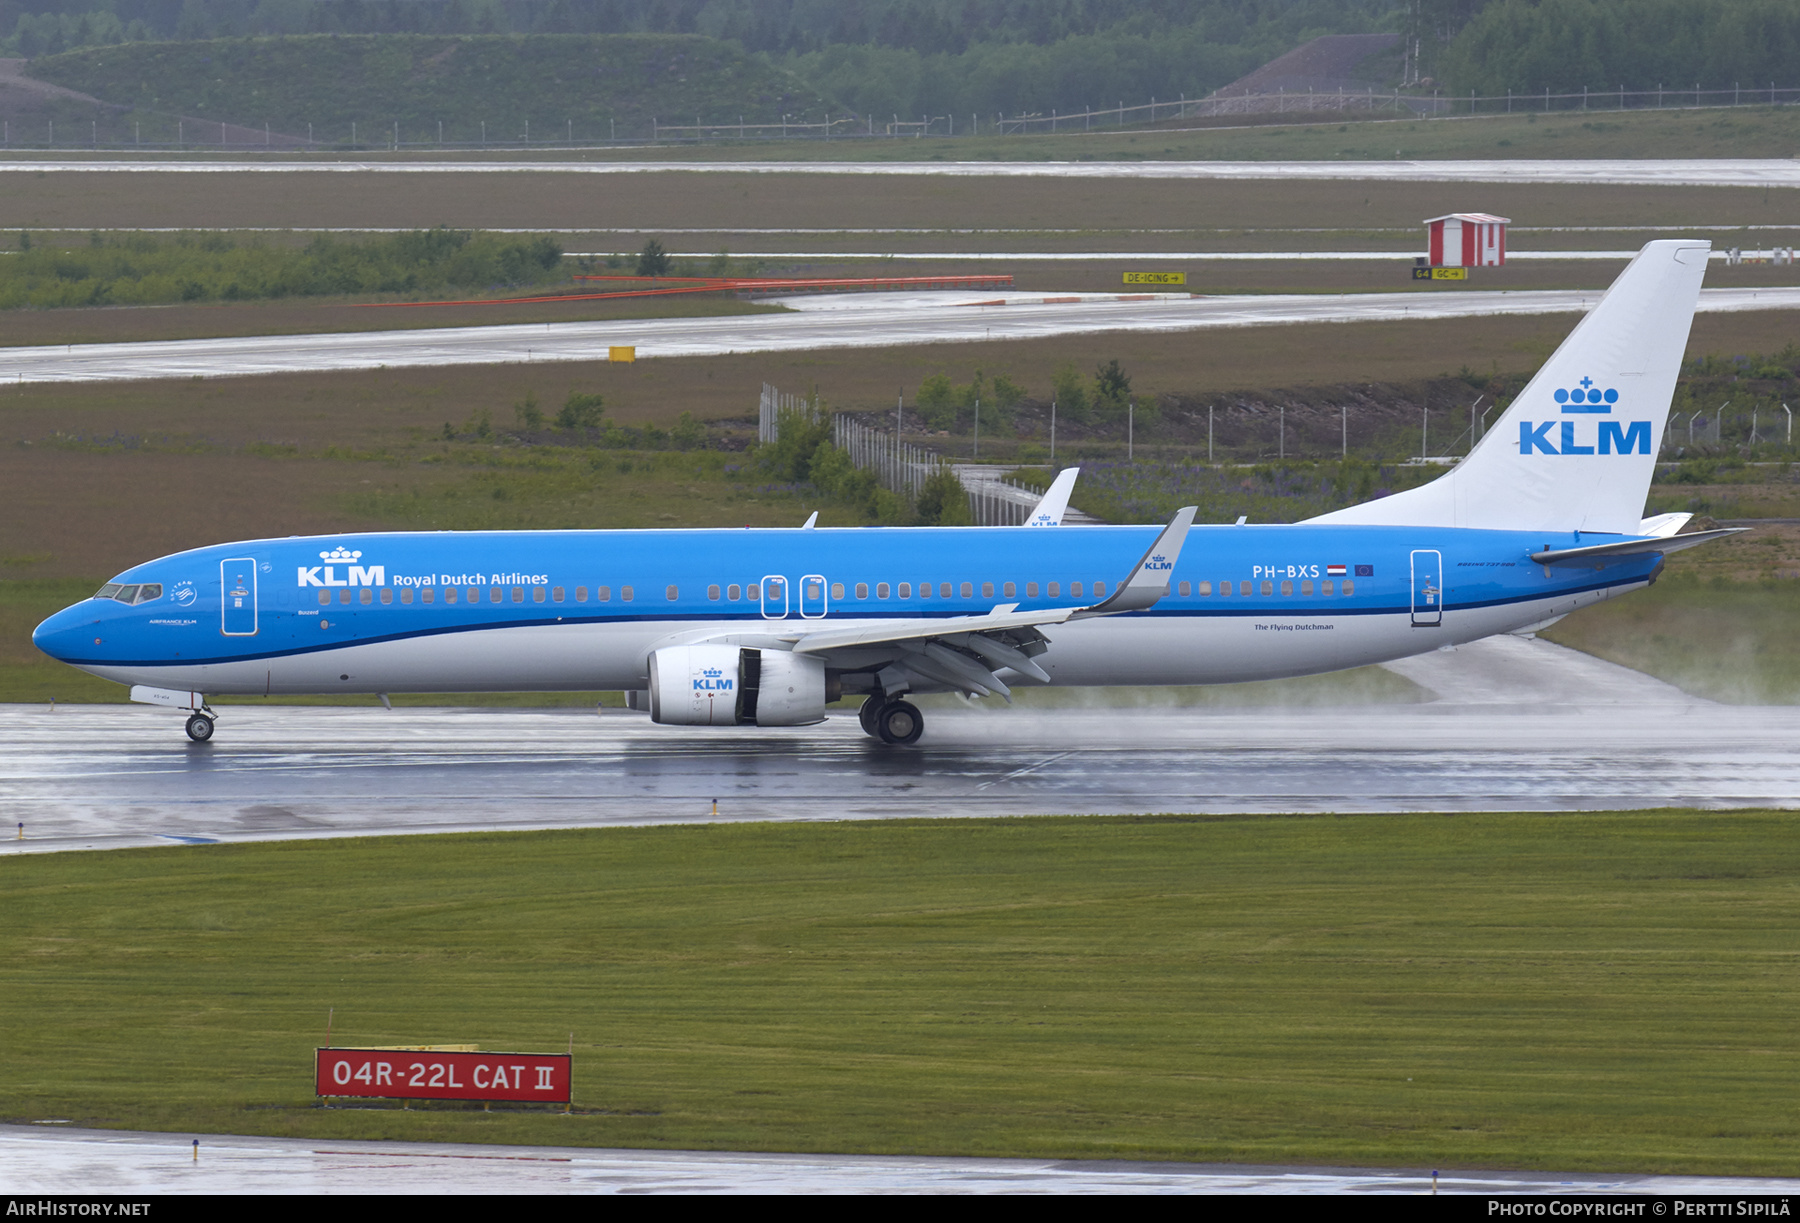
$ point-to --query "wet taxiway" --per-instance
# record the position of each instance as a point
(1517, 725)
(56, 1160)
(865, 321)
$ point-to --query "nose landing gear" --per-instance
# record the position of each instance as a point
(896, 723)
(200, 728)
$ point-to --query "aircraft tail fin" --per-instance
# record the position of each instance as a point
(1577, 449)
(1055, 502)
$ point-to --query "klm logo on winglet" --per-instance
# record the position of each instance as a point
(357, 575)
(1158, 563)
(1608, 436)
(710, 681)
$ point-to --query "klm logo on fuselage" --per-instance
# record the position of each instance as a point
(1606, 437)
(354, 574)
(711, 681)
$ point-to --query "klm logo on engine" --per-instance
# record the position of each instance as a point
(354, 574)
(711, 681)
(1572, 437)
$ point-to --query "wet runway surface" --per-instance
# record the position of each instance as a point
(34, 1160)
(1507, 724)
(1517, 725)
(1696, 172)
(865, 321)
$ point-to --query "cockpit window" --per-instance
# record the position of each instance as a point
(130, 594)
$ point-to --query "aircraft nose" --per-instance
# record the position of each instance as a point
(63, 635)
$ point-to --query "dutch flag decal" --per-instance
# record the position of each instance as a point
(1335, 571)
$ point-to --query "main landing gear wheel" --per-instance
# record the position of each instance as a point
(199, 728)
(867, 714)
(899, 724)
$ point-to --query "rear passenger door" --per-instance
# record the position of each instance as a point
(1427, 589)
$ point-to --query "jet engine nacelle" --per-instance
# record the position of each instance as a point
(723, 685)
(790, 690)
(696, 685)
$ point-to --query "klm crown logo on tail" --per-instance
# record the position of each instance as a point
(1607, 436)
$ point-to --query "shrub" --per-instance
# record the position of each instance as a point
(1007, 393)
(581, 411)
(1070, 391)
(688, 433)
(790, 456)
(936, 402)
(1112, 390)
(943, 501)
(653, 260)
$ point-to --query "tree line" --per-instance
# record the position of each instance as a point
(979, 57)
(779, 27)
(873, 57)
(1565, 45)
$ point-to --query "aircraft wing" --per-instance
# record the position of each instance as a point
(965, 652)
(1002, 619)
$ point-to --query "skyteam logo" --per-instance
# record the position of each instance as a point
(355, 575)
(711, 680)
(1608, 436)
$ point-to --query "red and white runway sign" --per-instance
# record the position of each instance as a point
(425, 1075)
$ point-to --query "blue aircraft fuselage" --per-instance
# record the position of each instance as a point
(233, 617)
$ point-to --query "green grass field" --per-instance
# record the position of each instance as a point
(1594, 991)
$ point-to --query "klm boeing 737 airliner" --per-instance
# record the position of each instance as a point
(767, 627)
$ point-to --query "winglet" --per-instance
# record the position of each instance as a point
(812, 520)
(1149, 581)
(1054, 503)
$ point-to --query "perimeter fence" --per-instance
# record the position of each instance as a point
(169, 132)
(898, 465)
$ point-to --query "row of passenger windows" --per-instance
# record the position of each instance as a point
(813, 592)
(1245, 589)
(495, 594)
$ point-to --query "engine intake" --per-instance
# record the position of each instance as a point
(722, 685)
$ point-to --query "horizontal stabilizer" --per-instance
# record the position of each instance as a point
(1601, 553)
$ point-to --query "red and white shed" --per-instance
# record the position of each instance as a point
(1467, 240)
